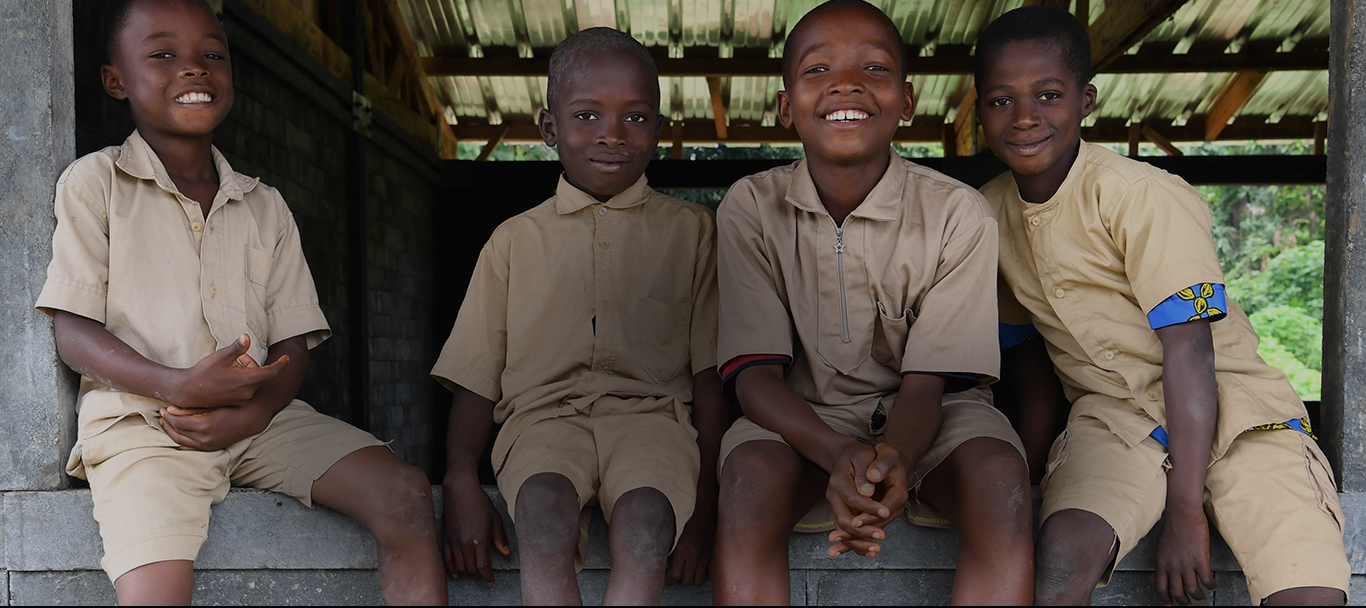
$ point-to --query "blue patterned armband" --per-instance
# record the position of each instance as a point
(1203, 301)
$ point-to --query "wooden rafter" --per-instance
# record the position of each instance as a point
(495, 138)
(965, 124)
(413, 62)
(1160, 141)
(1230, 101)
(1124, 24)
(718, 106)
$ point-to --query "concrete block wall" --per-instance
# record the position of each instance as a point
(289, 126)
(267, 548)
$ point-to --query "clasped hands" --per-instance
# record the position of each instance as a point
(868, 489)
(214, 403)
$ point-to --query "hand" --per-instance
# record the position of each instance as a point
(890, 476)
(213, 429)
(470, 522)
(853, 496)
(1183, 557)
(228, 377)
(690, 563)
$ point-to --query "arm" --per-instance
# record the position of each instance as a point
(769, 402)
(711, 416)
(1192, 410)
(470, 521)
(218, 380)
(912, 425)
(217, 428)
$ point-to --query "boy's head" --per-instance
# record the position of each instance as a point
(169, 59)
(845, 88)
(1032, 71)
(602, 110)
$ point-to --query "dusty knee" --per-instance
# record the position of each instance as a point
(995, 478)
(406, 499)
(547, 511)
(644, 520)
(1073, 540)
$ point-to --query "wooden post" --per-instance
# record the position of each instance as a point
(676, 152)
(1135, 136)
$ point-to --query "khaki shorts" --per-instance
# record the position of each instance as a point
(152, 498)
(967, 415)
(607, 455)
(1271, 497)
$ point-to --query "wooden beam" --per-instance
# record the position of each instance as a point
(950, 141)
(1230, 101)
(1320, 136)
(965, 125)
(718, 106)
(1135, 138)
(1124, 24)
(676, 151)
(414, 61)
(1107, 130)
(496, 138)
(1161, 142)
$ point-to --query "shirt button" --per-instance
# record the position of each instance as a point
(602, 211)
(1059, 292)
(1152, 396)
(213, 289)
(589, 378)
(1109, 355)
(602, 244)
(196, 227)
(1034, 220)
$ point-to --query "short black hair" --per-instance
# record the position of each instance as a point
(1047, 24)
(116, 18)
(833, 4)
(571, 54)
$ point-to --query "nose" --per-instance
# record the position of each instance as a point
(1024, 116)
(194, 68)
(847, 80)
(612, 133)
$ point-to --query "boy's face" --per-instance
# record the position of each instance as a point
(1031, 106)
(846, 94)
(170, 61)
(607, 124)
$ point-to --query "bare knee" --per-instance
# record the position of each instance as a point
(643, 524)
(755, 475)
(993, 482)
(1075, 549)
(407, 509)
(547, 511)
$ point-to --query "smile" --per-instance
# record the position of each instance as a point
(195, 98)
(1029, 147)
(846, 116)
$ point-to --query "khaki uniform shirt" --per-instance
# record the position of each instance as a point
(907, 284)
(1085, 267)
(131, 252)
(576, 300)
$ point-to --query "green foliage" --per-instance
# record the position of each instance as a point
(1293, 330)
(1307, 382)
(1293, 278)
(470, 151)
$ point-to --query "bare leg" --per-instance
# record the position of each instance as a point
(1307, 596)
(640, 536)
(766, 488)
(1075, 549)
(157, 584)
(392, 499)
(548, 537)
(983, 488)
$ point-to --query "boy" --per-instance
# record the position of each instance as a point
(588, 326)
(172, 276)
(858, 325)
(1112, 261)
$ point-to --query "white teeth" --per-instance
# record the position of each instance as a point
(846, 115)
(194, 98)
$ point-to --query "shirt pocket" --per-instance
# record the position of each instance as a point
(663, 354)
(258, 264)
(889, 336)
(1321, 479)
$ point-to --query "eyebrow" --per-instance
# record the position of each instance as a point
(163, 35)
(1040, 82)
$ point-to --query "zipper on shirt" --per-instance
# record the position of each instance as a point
(839, 258)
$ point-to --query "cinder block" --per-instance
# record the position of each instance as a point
(51, 531)
(1354, 529)
(907, 546)
(1134, 589)
(213, 587)
(1356, 590)
(798, 587)
(1232, 590)
(4, 588)
(879, 587)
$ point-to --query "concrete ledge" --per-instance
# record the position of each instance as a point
(268, 548)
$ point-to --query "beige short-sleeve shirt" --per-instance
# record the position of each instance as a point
(578, 299)
(906, 285)
(1118, 238)
(133, 253)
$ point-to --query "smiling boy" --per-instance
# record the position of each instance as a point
(587, 329)
(1173, 415)
(858, 324)
(172, 276)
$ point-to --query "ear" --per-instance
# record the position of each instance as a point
(907, 101)
(784, 110)
(545, 121)
(660, 119)
(1088, 99)
(113, 84)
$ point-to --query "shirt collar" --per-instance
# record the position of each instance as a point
(883, 203)
(570, 199)
(138, 159)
